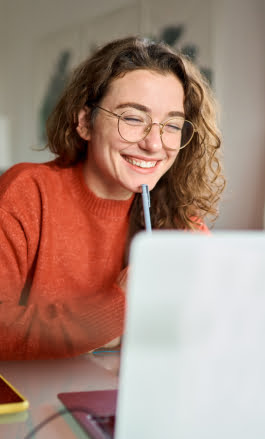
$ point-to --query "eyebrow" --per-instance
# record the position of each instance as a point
(146, 109)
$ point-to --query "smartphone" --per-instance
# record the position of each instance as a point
(11, 401)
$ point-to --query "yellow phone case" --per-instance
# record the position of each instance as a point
(13, 407)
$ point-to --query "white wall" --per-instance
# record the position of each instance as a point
(23, 24)
(233, 31)
(239, 64)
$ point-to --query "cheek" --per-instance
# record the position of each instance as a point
(109, 142)
(171, 158)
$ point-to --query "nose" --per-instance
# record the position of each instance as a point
(152, 141)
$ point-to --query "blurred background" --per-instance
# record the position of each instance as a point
(42, 40)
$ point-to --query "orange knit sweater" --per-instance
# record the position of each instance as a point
(72, 243)
(64, 247)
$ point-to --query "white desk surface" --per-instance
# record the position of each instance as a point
(40, 382)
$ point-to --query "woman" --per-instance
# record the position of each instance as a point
(134, 113)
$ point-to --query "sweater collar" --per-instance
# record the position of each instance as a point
(98, 206)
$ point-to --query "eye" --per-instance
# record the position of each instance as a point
(174, 126)
(133, 119)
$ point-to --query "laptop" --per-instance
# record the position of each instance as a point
(193, 354)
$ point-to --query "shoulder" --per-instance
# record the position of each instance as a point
(200, 226)
(24, 176)
(203, 228)
(23, 171)
(23, 184)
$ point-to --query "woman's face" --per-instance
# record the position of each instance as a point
(114, 168)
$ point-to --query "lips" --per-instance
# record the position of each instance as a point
(140, 163)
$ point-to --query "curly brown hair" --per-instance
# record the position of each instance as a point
(191, 188)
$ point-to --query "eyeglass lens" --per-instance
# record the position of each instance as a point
(134, 125)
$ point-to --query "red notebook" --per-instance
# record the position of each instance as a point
(95, 411)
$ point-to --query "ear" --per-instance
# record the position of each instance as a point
(83, 127)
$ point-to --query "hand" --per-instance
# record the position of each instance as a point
(113, 343)
(122, 280)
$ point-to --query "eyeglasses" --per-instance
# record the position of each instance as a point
(134, 125)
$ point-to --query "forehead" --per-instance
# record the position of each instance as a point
(149, 88)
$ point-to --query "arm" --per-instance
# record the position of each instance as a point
(60, 330)
(49, 327)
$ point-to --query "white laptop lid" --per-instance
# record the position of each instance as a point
(193, 359)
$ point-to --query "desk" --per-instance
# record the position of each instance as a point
(41, 381)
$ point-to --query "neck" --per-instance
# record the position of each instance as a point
(102, 189)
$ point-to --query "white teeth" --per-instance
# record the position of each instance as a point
(140, 163)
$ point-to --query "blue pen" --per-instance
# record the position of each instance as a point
(146, 207)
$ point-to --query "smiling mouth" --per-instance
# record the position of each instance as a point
(140, 163)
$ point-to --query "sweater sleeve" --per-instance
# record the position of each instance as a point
(49, 328)
(58, 330)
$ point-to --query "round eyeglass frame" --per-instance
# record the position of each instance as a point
(161, 126)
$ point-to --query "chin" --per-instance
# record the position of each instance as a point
(138, 188)
(134, 186)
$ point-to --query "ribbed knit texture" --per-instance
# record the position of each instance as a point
(73, 242)
(69, 245)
